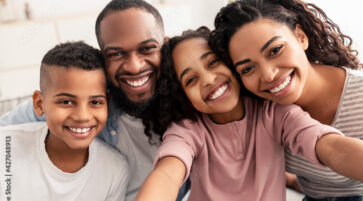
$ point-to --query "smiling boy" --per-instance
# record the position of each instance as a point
(61, 159)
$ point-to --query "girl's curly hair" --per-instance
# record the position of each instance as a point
(327, 44)
(173, 105)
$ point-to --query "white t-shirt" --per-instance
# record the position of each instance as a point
(27, 173)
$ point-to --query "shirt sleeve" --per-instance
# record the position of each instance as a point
(23, 113)
(183, 141)
(296, 129)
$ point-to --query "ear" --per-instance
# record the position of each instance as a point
(166, 39)
(38, 103)
(301, 37)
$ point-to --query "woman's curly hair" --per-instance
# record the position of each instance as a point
(327, 44)
(173, 105)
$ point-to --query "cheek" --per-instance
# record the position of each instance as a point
(111, 69)
(249, 84)
(154, 59)
(102, 115)
(195, 98)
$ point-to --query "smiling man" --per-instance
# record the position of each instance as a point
(130, 34)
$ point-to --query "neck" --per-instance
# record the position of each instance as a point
(237, 113)
(322, 92)
(64, 157)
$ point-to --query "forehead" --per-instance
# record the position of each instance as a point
(187, 53)
(130, 26)
(76, 81)
(254, 35)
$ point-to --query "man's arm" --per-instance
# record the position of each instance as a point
(342, 154)
(164, 181)
(23, 113)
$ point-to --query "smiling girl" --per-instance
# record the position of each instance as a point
(231, 146)
(289, 51)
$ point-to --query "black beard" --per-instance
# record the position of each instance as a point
(124, 104)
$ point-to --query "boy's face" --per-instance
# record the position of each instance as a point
(74, 103)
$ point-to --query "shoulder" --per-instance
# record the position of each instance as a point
(272, 110)
(354, 73)
(185, 125)
(24, 128)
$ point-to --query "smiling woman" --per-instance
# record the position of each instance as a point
(296, 54)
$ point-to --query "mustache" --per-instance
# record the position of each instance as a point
(121, 72)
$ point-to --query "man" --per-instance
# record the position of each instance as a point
(130, 34)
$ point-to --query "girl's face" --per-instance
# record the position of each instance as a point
(271, 60)
(208, 83)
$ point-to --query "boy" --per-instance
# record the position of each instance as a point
(61, 159)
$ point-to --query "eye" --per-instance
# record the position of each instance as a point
(96, 102)
(65, 102)
(275, 50)
(212, 62)
(147, 48)
(190, 80)
(246, 70)
(114, 55)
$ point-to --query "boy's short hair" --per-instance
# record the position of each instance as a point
(70, 55)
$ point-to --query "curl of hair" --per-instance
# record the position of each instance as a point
(327, 44)
(173, 105)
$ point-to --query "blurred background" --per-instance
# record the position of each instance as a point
(28, 28)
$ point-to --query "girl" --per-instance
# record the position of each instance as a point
(231, 146)
(289, 51)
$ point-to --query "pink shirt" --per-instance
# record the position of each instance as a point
(243, 160)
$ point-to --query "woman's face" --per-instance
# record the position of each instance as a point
(208, 83)
(271, 59)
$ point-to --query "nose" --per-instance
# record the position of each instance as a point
(134, 64)
(268, 73)
(82, 113)
(208, 78)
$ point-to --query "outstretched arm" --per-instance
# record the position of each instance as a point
(342, 154)
(164, 181)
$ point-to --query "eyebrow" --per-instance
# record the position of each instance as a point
(205, 55)
(262, 49)
(65, 94)
(269, 42)
(185, 71)
(112, 48)
(73, 96)
(149, 40)
(142, 43)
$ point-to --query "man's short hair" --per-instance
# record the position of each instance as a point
(70, 55)
(119, 5)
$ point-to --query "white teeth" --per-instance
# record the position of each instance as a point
(139, 82)
(80, 130)
(219, 92)
(281, 86)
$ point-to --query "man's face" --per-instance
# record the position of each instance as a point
(131, 40)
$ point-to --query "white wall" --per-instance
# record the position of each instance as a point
(23, 43)
(349, 16)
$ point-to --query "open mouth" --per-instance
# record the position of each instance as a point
(81, 132)
(217, 93)
(139, 82)
(283, 85)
